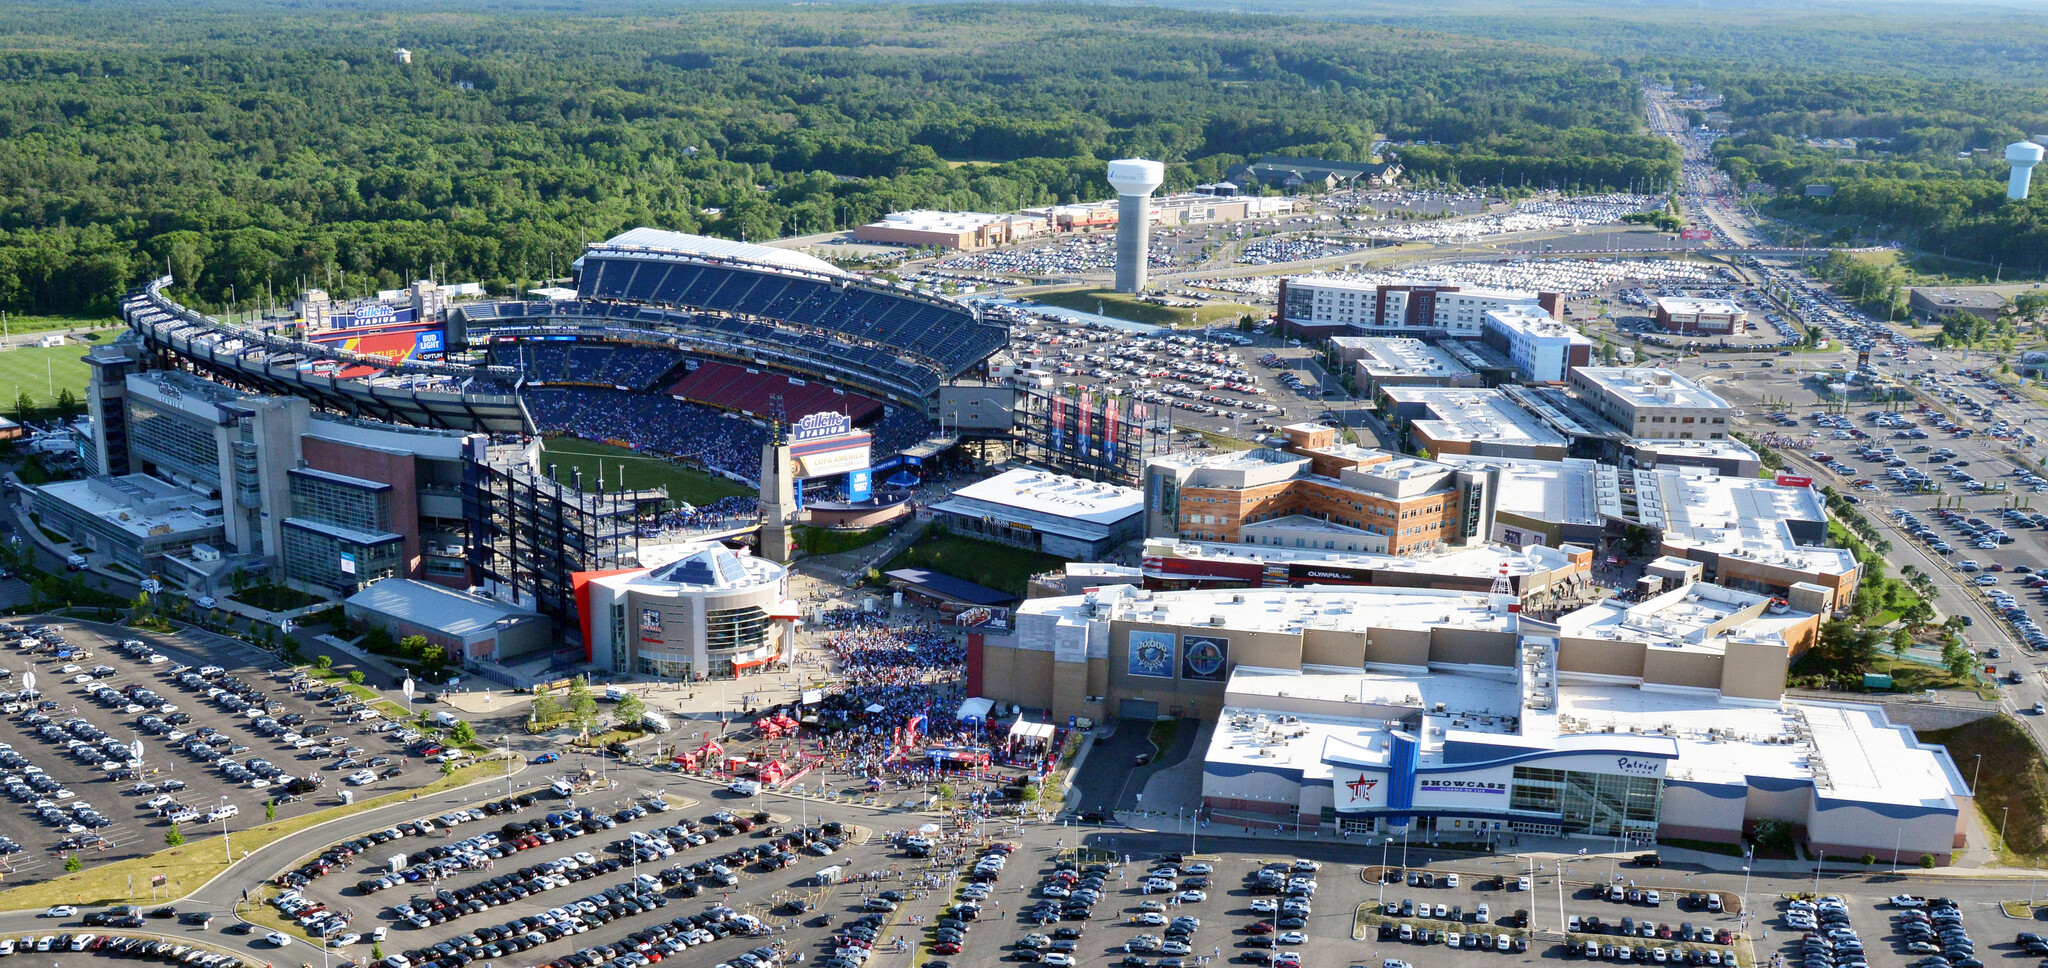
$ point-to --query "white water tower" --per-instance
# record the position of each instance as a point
(2024, 155)
(1134, 179)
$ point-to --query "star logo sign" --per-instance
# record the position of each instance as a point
(1361, 787)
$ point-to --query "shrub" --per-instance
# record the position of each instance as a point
(1927, 861)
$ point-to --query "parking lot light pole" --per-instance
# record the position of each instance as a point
(1384, 844)
(225, 848)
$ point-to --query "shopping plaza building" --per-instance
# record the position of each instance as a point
(1449, 715)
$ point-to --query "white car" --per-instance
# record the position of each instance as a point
(61, 911)
(1190, 897)
(1291, 937)
(277, 939)
(1908, 901)
(343, 941)
(360, 777)
(1264, 905)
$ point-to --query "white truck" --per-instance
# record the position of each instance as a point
(656, 722)
(445, 719)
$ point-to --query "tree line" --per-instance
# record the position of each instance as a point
(248, 149)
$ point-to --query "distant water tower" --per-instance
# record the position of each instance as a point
(2024, 155)
(401, 56)
(1134, 179)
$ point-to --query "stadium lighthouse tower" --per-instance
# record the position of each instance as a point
(778, 497)
(2024, 155)
(1134, 179)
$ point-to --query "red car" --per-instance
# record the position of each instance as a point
(1259, 927)
(946, 948)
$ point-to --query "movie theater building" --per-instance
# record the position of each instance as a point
(710, 613)
(1471, 757)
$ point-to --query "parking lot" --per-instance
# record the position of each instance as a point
(109, 740)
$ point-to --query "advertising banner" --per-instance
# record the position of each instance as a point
(1151, 654)
(859, 485)
(1204, 658)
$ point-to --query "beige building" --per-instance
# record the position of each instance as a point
(1652, 402)
(952, 230)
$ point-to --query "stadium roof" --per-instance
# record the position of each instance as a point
(665, 241)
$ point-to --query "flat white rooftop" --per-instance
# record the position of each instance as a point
(1481, 415)
(1402, 356)
(1698, 617)
(1645, 386)
(1744, 517)
(1685, 306)
(1287, 610)
(1571, 491)
(1726, 447)
(140, 505)
(1056, 495)
(1481, 561)
(1535, 324)
(1848, 752)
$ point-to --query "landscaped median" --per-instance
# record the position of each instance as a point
(185, 869)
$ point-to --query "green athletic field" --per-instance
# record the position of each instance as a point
(635, 470)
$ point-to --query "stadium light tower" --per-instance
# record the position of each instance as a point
(1134, 179)
(2024, 155)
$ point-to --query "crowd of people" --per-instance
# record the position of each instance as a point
(651, 422)
(733, 510)
(611, 364)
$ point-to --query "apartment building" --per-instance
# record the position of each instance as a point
(1319, 307)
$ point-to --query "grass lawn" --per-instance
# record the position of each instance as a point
(1163, 733)
(2013, 783)
(636, 470)
(200, 859)
(828, 541)
(1910, 676)
(1123, 306)
(983, 562)
(41, 371)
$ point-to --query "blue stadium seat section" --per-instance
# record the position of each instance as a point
(947, 335)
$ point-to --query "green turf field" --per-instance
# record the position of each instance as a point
(41, 371)
(636, 470)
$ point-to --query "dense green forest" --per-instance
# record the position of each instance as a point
(249, 146)
(1928, 168)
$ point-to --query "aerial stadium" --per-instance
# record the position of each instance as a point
(682, 345)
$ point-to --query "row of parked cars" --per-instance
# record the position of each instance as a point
(106, 946)
(1936, 933)
(671, 938)
(474, 852)
(337, 856)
